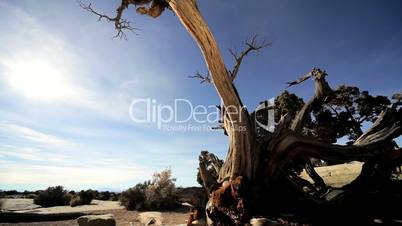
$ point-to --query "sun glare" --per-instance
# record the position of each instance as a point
(38, 80)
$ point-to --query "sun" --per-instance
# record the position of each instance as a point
(38, 79)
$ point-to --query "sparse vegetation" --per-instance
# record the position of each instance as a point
(1, 204)
(160, 193)
(83, 198)
(104, 195)
(53, 196)
(134, 198)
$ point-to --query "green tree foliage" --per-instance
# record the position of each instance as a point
(287, 103)
(342, 116)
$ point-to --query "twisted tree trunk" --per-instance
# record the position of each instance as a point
(236, 120)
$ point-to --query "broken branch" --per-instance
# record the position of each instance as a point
(252, 45)
(203, 78)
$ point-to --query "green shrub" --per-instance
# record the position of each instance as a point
(11, 192)
(86, 196)
(104, 195)
(134, 198)
(53, 196)
(156, 195)
(115, 196)
(83, 198)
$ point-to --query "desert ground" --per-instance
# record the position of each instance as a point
(122, 216)
(335, 176)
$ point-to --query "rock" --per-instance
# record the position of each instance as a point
(264, 222)
(97, 220)
(151, 218)
(200, 222)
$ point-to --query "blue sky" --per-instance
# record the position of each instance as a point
(66, 85)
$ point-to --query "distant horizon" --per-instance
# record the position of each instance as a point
(67, 87)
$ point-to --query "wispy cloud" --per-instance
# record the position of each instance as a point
(41, 66)
(29, 153)
(31, 134)
(84, 174)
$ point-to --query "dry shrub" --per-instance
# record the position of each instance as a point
(53, 196)
(83, 198)
(1, 204)
(134, 198)
(159, 194)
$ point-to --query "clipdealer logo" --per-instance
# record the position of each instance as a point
(184, 116)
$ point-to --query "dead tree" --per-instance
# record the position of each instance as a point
(243, 186)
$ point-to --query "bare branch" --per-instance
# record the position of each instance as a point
(121, 25)
(252, 45)
(322, 94)
(203, 78)
(300, 80)
(218, 127)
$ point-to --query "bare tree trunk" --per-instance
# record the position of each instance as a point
(237, 123)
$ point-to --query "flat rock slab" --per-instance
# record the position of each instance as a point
(151, 218)
(264, 222)
(97, 220)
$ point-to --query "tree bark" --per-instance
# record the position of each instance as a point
(237, 124)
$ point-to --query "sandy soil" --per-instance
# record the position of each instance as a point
(27, 206)
(95, 205)
(122, 217)
(337, 175)
(19, 204)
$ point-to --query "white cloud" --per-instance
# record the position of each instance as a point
(36, 63)
(31, 134)
(43, 66)
(30, 154)
(82, 174)
(23, 153)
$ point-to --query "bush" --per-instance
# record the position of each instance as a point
(83, 198)
(11, 192)
(156, 195)
(104, 195)
(30, 196)
(1, 204)
(161, 194)
(134, 198)
(75, 201)
(53, 196)
(115, 196)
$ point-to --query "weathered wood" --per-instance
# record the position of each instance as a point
(237, 124)
(289, 144)
(322, 92)
(209, 166)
